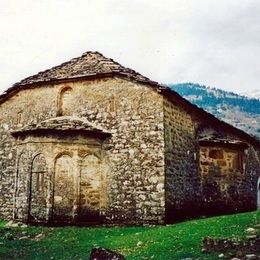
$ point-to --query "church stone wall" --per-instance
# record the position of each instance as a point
(183, 187)
(132, 113)
(151, 159)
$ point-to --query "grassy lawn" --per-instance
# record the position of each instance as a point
(177, 241)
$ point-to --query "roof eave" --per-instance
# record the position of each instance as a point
(45, 132)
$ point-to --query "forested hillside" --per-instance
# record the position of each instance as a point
(240, 111)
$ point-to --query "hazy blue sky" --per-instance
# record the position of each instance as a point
(212, 42)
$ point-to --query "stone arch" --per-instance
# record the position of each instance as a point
(258, 193)
(90, 188)
(68, 153)
(38, 188)
(89, 152)
(64, 188)
(64, 101)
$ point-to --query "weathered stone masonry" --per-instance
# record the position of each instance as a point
(92, 141)
(135, 183)
(58, 176)
(183, 187)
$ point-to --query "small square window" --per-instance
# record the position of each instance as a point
(216, 154)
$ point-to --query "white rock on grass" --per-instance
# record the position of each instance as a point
(251, 236)
(251, 230)
(139, 243)
(39, 236)
(24, 237)
(11, 224)
(24, 226)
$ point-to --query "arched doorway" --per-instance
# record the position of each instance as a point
(64, 189)
(258, 193)
(38, 189)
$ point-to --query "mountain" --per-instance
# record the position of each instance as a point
(237, 110)
(252, 94)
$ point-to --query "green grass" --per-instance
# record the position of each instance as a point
(177, 241)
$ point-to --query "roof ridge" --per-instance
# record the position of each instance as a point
(90, 63)
(91, 52)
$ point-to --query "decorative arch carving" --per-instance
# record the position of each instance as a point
(64, 101)
(85, 153)
(68, 153)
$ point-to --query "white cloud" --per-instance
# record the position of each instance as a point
(211, 42)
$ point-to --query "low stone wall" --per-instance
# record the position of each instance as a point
(233, 248)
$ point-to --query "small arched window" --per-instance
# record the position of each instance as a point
(64, 101)
(19, 117)
(113, 103)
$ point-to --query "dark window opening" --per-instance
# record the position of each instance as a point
(216, 154)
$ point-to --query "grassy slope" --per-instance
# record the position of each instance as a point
(177, 241)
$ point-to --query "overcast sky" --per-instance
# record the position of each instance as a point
(211, 42)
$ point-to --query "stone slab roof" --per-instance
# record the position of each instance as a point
(213, 140)
(62, 124)
(89, 64)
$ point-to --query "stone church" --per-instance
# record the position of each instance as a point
(90, 141)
